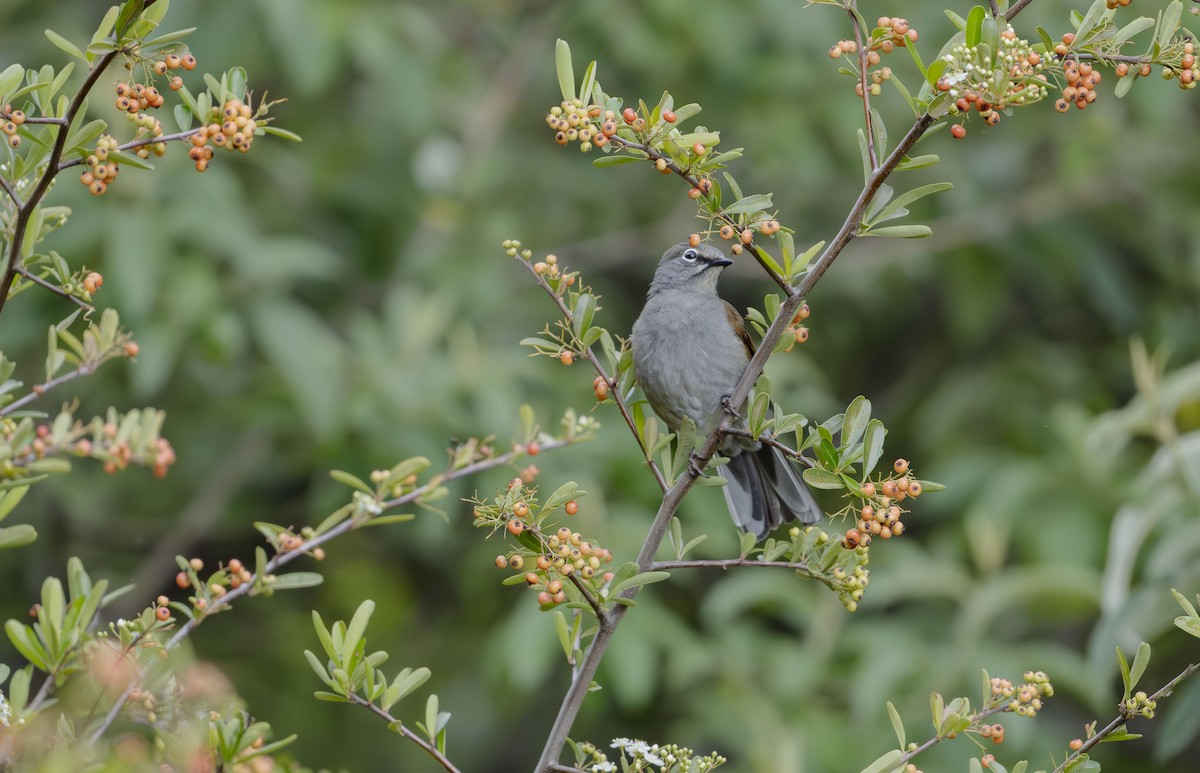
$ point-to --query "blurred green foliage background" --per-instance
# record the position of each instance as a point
(344, 303)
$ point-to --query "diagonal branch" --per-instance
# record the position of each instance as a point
(43, 183)
(86, 369)
(399, 726)
(573, 700)
(37, 280)
(728, 563)
(1016, 8)
(1123, 717)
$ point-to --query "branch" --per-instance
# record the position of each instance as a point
(587, 352)
(134, 144)
(1015, 9)
(37, 280)
(727, 563)
(285, 557)
(770, 440)
(35, 196)
(1123, 717)
(12, 194)
(862, 81)
(587, 595)
(404, 731)
(578, 690)
(566, 769)
(995, 9)
(85, 369)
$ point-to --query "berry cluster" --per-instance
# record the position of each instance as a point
(116, 451)
(889, 33)
(797, 332)
(743, 235)
(132, 98)
(572, 121)
(1188, 69)
(975, 82)
(1140, 704)
(556, 555)
(1080, 90)
(844, 571)
(231, 127)
(101, 170)
(881, 515)
(12, 121)
(1024, 699)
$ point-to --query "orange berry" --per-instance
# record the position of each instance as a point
(160, 67)
(699, 149)
(566, 358)
(554, 586)
(900, 466)
(531, 578)
(572, 507)
(1076, 744)
(958, 131)
(694, 240)
(629, 114)
(726, 231)
(189, 62)
(182, 580)
(162, 613)
(560, 597)
(545, 598)
(533, 449)
(889, 488)
(132, 349)
(669, 116)
(515, 527)
(868, 489)
(801, 334)
(914, 489)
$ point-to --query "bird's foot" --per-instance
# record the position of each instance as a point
(727, 404)
(694, 466)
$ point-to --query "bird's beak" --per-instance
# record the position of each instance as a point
(721, 262)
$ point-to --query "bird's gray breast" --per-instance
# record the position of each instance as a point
(686, 355)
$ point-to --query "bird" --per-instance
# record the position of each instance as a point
(690, 347)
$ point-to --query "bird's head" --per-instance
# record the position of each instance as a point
(688, 268)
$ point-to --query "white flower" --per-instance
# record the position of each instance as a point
(5, 711)
(604, 767)
(621, 743)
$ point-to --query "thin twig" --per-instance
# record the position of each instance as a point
(587, 352)
(995, 9)
(12, 194)
(1123, 717)
(573, 700)
(937, 739)
(39, 190)
(872, 154)
(588, 596)
(37, 280)
(566, 769)
(727, 563)
(286, 557)
(404, 731)
(134, 144)
(770, 440)
(85, 369)
(44, 119)
(1016, 8)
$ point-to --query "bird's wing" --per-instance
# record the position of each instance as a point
(739, 326)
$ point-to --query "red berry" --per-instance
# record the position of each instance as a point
(958, 131)
(162, 613)
(572, 507)
(629, 114)
(669, 116)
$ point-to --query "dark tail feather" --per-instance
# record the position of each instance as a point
(763, 490)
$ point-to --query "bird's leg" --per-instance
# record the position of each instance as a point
(727, 404)
(695, 467)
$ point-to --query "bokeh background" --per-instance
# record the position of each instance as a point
(343, 303)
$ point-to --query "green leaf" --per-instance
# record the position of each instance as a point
(585, 309)
(10, 79)
(908, 197)
(897, 724)
(589, 83)
(1124, 665)
(885, 763)
(638, 580)
(354, 631)
(755, 202)
(566, 73)
(275, 131)
(614, 160)
(1179, 597)
(872, 446)
(1141, 659)
(295, 580)
(13, 497)
(130, 10)
(27, 644)
(17, 536)
(901, 231)
(822, 479)
(347, 479)
(65, 45)
(1170, 22)
(1047, 41)
(1133, 28)
(858, 414)
(564, 632)
(974, 28)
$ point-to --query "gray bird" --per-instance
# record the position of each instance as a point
(689, 350)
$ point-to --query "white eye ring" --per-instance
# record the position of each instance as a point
(689, 256)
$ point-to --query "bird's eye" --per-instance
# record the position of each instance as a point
(689, 256)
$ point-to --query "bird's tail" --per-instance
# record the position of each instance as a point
(764, 490)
